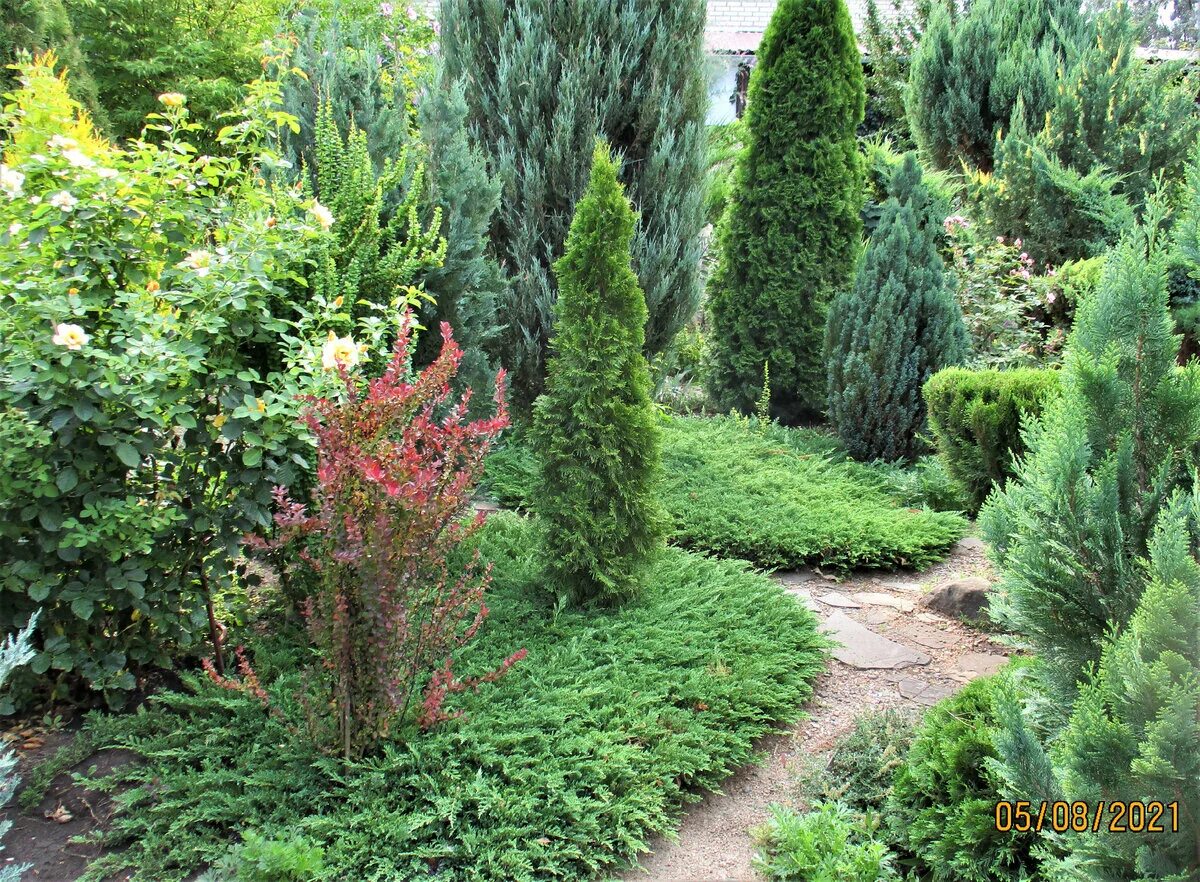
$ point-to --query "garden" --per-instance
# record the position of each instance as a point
(431, 449)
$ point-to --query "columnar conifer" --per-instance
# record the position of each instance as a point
(595, 427)
(893, 330)
(543, 80)
(790, 235)
(1069, 531)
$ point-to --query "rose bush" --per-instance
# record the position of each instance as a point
(155, 348)
(1010, 308)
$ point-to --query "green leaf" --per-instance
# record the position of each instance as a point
(67, 479)
(82, 607)
(128, 454)
(252, 457)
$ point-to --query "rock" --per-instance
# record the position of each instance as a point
(960, 599)
(923, 635)
(921, 692)
(929, 618)
(864, 649)
(840, 600)
(979, 664)
(881, 615)
(910, 587)
(970, 543)
(873, 599)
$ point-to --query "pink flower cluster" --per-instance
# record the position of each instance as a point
(955, 223)
(1024, 269)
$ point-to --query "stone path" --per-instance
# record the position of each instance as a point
(896, 653)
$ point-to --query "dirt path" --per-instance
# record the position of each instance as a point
(714, 844)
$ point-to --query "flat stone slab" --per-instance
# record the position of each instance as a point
(881, 615)
(840, 600)
(924, 635)
(921, 692)
(803, 596)
(910, 587)
(864, 649)
(871, 598)
(979, 664)
(970, 543)
(929, 618)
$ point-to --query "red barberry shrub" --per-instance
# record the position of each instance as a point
(397, 463)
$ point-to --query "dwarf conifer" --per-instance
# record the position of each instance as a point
(595, 427)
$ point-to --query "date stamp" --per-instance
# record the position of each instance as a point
(1084, 817)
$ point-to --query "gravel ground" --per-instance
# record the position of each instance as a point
(713, 843)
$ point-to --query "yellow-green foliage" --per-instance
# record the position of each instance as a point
(975, 417)
(595, 429)
(45, 108)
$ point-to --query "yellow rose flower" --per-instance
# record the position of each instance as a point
(339, 352)
(172, 99)
(71, 336)
(322, 215)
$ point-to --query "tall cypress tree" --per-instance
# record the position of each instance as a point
(893, 330)
(468, 285)
(595, 427)
(789, 237)
(542, 81)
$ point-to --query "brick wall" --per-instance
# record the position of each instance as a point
(739, 16)
(751, 16)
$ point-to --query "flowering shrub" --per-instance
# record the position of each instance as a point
(410, 36)
(153, 355)
(397, 463)
(1006, 304)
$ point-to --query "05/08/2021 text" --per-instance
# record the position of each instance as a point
(1082, 817)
